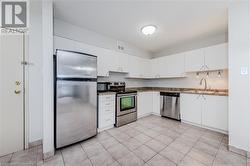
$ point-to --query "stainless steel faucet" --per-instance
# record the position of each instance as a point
(205, 88)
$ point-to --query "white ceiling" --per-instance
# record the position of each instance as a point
(177, 20)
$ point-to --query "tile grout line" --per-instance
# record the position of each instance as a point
(123, 145)
(192, 147)
(217, 151)
(107, 149)
(62, 157)
(11, 157)
(86, 155)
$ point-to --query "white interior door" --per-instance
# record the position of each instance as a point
(11, 94)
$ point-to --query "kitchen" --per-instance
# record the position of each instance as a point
(159, 95)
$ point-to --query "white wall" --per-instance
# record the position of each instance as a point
(193, 44)
(48, 102)
(239, 90)
(35, 78)
(66, 30)
(191, 81)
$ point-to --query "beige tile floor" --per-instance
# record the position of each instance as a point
(150, 141)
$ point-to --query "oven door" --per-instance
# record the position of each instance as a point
(126, 103)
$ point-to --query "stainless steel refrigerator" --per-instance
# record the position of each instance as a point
(75, 97)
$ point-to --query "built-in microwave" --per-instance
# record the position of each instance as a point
(103, 86)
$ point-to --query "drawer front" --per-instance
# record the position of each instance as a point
(106, 120)
(103, 104)
(106, 110)
(107, 98)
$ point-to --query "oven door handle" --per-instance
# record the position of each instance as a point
(126, 96)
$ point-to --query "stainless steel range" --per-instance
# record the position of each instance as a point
(126, 108)
(126, 104)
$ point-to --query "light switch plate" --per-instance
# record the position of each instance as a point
(244, 70)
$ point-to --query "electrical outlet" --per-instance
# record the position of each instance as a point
(244, 70)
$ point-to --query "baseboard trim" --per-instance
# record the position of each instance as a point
(205, 127)
(35, 143)
(144, 115)
(153, 113)
(238, 151)
(48, 155)
(105, 128)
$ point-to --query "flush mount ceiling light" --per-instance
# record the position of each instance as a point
(148, 30)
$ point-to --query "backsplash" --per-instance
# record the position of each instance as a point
(191, 81)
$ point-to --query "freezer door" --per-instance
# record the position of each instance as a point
(76, 112)
(75, 65)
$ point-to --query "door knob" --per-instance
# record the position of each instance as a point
(17, 91)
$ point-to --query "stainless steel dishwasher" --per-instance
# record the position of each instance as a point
(170, 105)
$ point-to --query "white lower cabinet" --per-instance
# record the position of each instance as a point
(190, 108)
(208, 111)
(106, 111)
(144, 104)
(156, 103)
(215, 112)
(148, 103)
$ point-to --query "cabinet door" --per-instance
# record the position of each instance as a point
(191, 108)
(215, 112)
(216, 57)
(156, 103)
(122, 61)
(157, 67)
(144, 103)
(104, 63)
(174, 65)
(136, 67)
(194, 60)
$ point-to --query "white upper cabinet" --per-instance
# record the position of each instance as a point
(209, 58)
(194, 60)
(216, 57)
(138, 67)
(168, 66)
(176, 65)
(104, 63)
(122, 62)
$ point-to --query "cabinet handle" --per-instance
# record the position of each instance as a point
(108, 120)
(108, 110)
